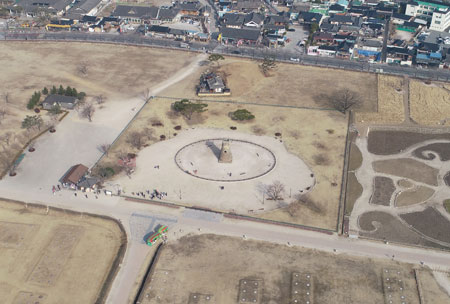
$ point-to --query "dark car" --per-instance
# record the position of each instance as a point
(291, 30)
(235, 52)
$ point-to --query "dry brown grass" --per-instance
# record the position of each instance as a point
(288, 84)
(114, 71)
(429, 103)
(413, 196)
(314, 138)
(408, 168)
(80, 270)
(390, 103)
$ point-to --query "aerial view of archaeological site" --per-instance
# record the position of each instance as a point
(225, 151)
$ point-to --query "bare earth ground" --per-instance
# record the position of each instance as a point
(309, 134)
(216, 267)
(54, 257)
(429, 103)
(287, 84)
(117, 72)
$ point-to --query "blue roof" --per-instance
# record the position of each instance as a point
(422, 56)
(436, 55)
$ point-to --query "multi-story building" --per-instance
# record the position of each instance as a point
(436, 12)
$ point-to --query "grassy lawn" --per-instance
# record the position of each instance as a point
(447, 205)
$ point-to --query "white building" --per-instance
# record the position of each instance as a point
(437, 12)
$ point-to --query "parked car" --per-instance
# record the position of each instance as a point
(235, 52)
(291, 30)
(295, 59)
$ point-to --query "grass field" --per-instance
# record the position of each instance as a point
(288, 84)
(55, 257)
(390, 103)
(447, 205)
(221, 268)
(116, 72)
(429, 103)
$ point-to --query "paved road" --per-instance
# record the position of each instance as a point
(282, 55)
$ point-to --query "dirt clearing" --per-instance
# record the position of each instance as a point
(54, 257)
(225, 269)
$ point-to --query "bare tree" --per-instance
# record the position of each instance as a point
(342, 100)
(104, 148)
(146, 95)
(83, 68)
(6, 138)
(100, 99)
(88, 111)
(136, 139)
(2, 114)
(6, 96)
(274, 191)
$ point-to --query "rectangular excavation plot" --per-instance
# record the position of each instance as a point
(250, 291)
(198, 298)
(15, 235)
(25, 297)
(55, 255)
(301, 288)
(158, 287)
(393, 287)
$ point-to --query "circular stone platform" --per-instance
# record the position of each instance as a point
(200, 159)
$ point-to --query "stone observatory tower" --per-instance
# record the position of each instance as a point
(225, 152)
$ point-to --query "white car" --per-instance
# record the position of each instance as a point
(295, 59)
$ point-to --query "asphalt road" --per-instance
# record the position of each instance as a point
(247, 52)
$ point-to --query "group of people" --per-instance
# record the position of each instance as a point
(151, 195)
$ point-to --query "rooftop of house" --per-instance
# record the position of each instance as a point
(75, 174)
(128, 11)
(189, 6)
(336, 8)
(34, 5)
(215, 82)
(308, 16)
(371, 43)
(55, 98)
(247, 34)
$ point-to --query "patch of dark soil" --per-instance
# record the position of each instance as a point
(390, 228)
(355, 159)
(383, 189)
(233, 128)
(431, 223)
(447, 179)
(441, 149)
(354, 191)
(177, 128)
(321, 160)
(392, 142)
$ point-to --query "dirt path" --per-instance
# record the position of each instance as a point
(180, 75)
(407, 120)
(443, 280)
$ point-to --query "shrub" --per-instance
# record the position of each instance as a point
(241, 114)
